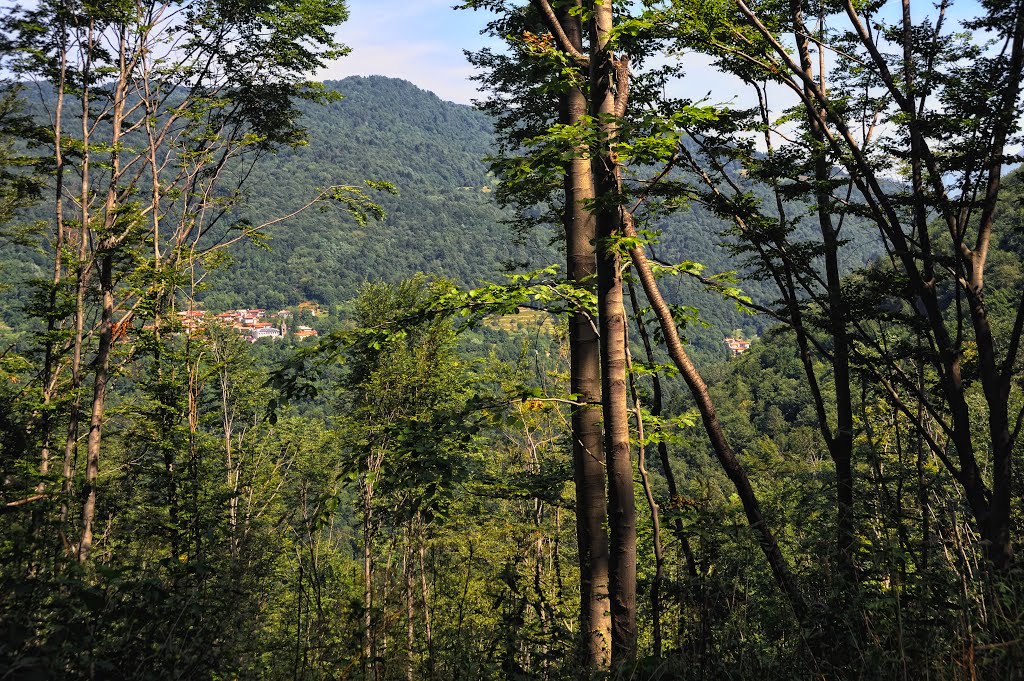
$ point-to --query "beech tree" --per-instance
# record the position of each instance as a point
(523, 109)
(616, 206)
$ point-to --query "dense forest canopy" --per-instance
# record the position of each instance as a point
(444, 220)
(594, 380)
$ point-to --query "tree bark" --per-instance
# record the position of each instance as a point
(608, 89)
(99, 398)
(82, 271)
(652, 505)
(585, 384)
(425, 595)
(49, 353)
(410, 611)
(106, 328)
(839, 442)
(723, 450)
(369, 651)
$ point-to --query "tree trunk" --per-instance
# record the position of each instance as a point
(425, 595)
(723, 451)
(369, 652)
(608, 87)
(410, 611)
(99, 398)
(82, 271)
(840, 443)
(585, 384)
(49, 354)
(641, 467)
(106, 328)
(995, 531)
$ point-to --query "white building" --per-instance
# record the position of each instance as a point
(264, 332)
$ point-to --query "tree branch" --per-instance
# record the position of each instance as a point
(544, 7)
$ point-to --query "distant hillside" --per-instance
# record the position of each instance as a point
(445, 220)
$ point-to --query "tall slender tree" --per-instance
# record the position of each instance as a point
(523, 110)
(585, 371)
(609, 92)
(174, 102)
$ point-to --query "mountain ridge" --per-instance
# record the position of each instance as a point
(444, 221)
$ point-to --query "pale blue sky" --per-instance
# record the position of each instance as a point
(418, 40)
(422, 41)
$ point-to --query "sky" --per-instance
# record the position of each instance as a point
(421, 41)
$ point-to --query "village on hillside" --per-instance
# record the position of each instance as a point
(253, 324)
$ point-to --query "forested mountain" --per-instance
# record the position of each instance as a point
(444, 220)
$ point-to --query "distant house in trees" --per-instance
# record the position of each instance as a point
(255, 324)
(737, 346)
(304, 332)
